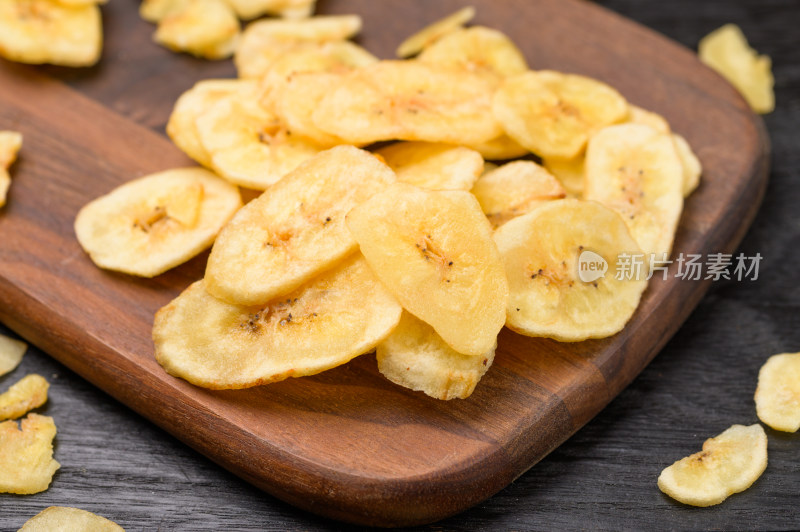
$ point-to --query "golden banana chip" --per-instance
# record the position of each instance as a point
(500, 148)
(434, 166)
(514, 189)
(10, 144)
(726, 51)
(415, 357)
(336, 317)
(203, 28)
(637, 115)
(63, 519)
(428, 35)
(28, 393)
(569, 171)
(155, 10)
(250, 9)
(728, 464)
(692, 169)
(26, 455)
(478, 49)
(560, 260)
(778, 394)
(434, 251)
(137, 228)
(11, 353)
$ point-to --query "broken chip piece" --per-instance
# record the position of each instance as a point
(26, 455)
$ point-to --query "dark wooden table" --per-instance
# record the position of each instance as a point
(119, 465)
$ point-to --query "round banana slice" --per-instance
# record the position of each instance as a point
(434, 251)
(778, 394)
(635, 170)
(46, 31)
(560, 260)
(429, 34)
(64, 519)
(554, 114)
(434, 166)
(154, 223)
(692, 168)
(295, 229)
(203, 28)
(514, 189)
(409, 100)
(500, 149)
(637, 115)
(477, 49)
(415, 357)
(728, 464)
(569, 171)
(10, 144)
(338, 316)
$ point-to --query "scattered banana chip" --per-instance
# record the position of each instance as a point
(569, 171)
(48, 31)
(478, 49)
(338, 316)
(726, 51)
(778, 394)
(434, 166)
(560, 261)
(155, 10)
(430, 34)
(26, 455)
(728, 464)
(250, 9)
(28, 393)
(635, 170)
(63, 519)
(692, 169)
(434, 251)
(295, 230)
(11, 353)
(203, 28)
(554, 114)
(514, 189)
(415, 357)
(154, 223)
(10, 144)
(409, 100)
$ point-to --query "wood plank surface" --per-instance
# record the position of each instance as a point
(346, 443)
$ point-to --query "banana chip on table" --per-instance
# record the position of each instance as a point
(778, 394)
(203, 28)
(64, 519)
(28, 393)
(429, 34)
(560, 260)
(338, 316)
(10, 144)
(26, 455)
(295, 230)
(11, 353)
(434, 166)
(48, 31)
(729, 463)
(293, 9)
(154, 223)
(434, 251)
(514, 189)
(477, 49)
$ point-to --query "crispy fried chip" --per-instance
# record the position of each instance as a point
(726, 51)
(477, 49)
(137, 228)
(10, 144)
(155, 10)
(434, 166)
(28, 393)
(692, 168)
(778, 394)
(250, 9)
(430, 34)
(433, 250)
(415, 357)
(203, 28)
(26, 455)
(570, 172)
(63, 519)
(11, 353)
(728, 464)
(500, 148)
(637, 115)
(339, 315)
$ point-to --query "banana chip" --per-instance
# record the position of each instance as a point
(434, 166)
(570, 172)
(500, 148)
(560, 261)
(10, 144)
(28, 393)
(637, 115)
(63, 519)
(250, 9)
(203, 28)
(155, 10)
(336, 317)
(692, 169)
(26, 455)
(295, 230)
(154, 223)
(778, 394)
(728, 464)
(433, 250)
(11, 353)
(428, 35)
(726, 51)
(415, 357)
(554, 114)
(478, 49)
(514, 189)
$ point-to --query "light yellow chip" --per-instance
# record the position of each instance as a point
(638, 115)
(728, 464)
(137, 228)
(778, 394)
(430, 34)
(11, 353)
(64, 519)
(26, 455)
(500, 149)
(726, 51)
(155, 10)
(336, 317)
(296, 229)
(10, 144)
(409, 100)
(434, 166)
(571, 173)
(635, 170)
(250, 9)
(514, 189)
(554, 114)
(561, 261)
(692, 168)
(434, 251)
(415, 357)
(203, 28)
(46, 31)
(478, 49)
(28, 393)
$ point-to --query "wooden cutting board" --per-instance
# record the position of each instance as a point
(346, 443)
